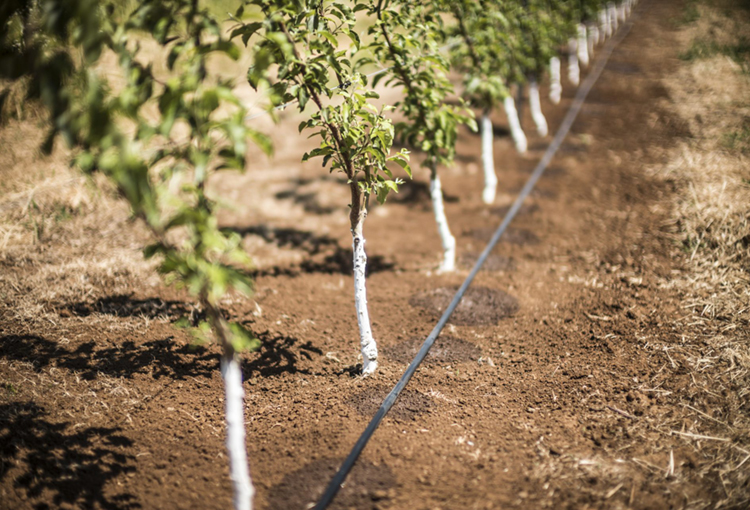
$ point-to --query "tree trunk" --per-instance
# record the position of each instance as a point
(593, 40)
(536, 108)
(235, 417)
(605, 29)
(574, 72)
(446, 238)
(488, 159)
(367, 342)
(519, 138)
(555, 87)
(612, 15)
(583, 45)
(519, 101)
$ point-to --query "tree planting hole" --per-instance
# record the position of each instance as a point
(409, 405)
(518, 236)
(478, 306)
(623, 67)
(446, 349)
(367, 487)
(494, 263)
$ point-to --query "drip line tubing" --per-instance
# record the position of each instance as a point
(562, 132)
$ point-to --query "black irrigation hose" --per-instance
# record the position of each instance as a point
(562, 132)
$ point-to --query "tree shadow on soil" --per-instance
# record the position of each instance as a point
(278, 355)
(418, 193)
(75, 465)
(309, 199)
(159, 358)
(309, 242)
(123, 305)
(325, 253)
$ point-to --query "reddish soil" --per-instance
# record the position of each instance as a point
(566, 400)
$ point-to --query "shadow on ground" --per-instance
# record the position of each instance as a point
(75, 466)
(159, 358)
(278, 355)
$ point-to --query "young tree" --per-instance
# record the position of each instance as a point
(301, 39)
(534, 44)
(405, 39)
(484, 61)
(162, 170)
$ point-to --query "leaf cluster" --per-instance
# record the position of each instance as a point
(405, 40)
(299, 56)
(161, 163)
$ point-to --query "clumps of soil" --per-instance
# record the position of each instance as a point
(408, 406)
(493, 262)
(478, 306)
(367, 486)
(517, 236)
(446, 349)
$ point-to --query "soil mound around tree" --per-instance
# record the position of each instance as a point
(367, 487)
(409, 405)
(492, 263)
(446, 349)
(479, 305)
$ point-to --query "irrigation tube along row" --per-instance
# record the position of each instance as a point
(562, 132)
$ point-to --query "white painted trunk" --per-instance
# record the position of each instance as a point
(593, 39)
(574, 72)
(555, 87)
(488, 159)
(583, 45)
(535, 104)
(239, 473)
(519, 137)
(449, 242)
(621, 14)
(605, 29)
(612, 15)
(367, 342)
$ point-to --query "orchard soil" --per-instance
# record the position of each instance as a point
(563, 392)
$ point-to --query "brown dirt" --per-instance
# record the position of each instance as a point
(586, 397)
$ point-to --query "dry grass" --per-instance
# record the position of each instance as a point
(711, 94)
(63, 238)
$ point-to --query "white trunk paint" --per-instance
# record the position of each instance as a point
(583, 45)
(605, 29)
(239, 473)
(555, 87)
(612, 15)
(449, 242)
(367, 342)
(536, 109)
(488, 159)
(574, 72)
(593, 39)
(621, 14)
(519, 138)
